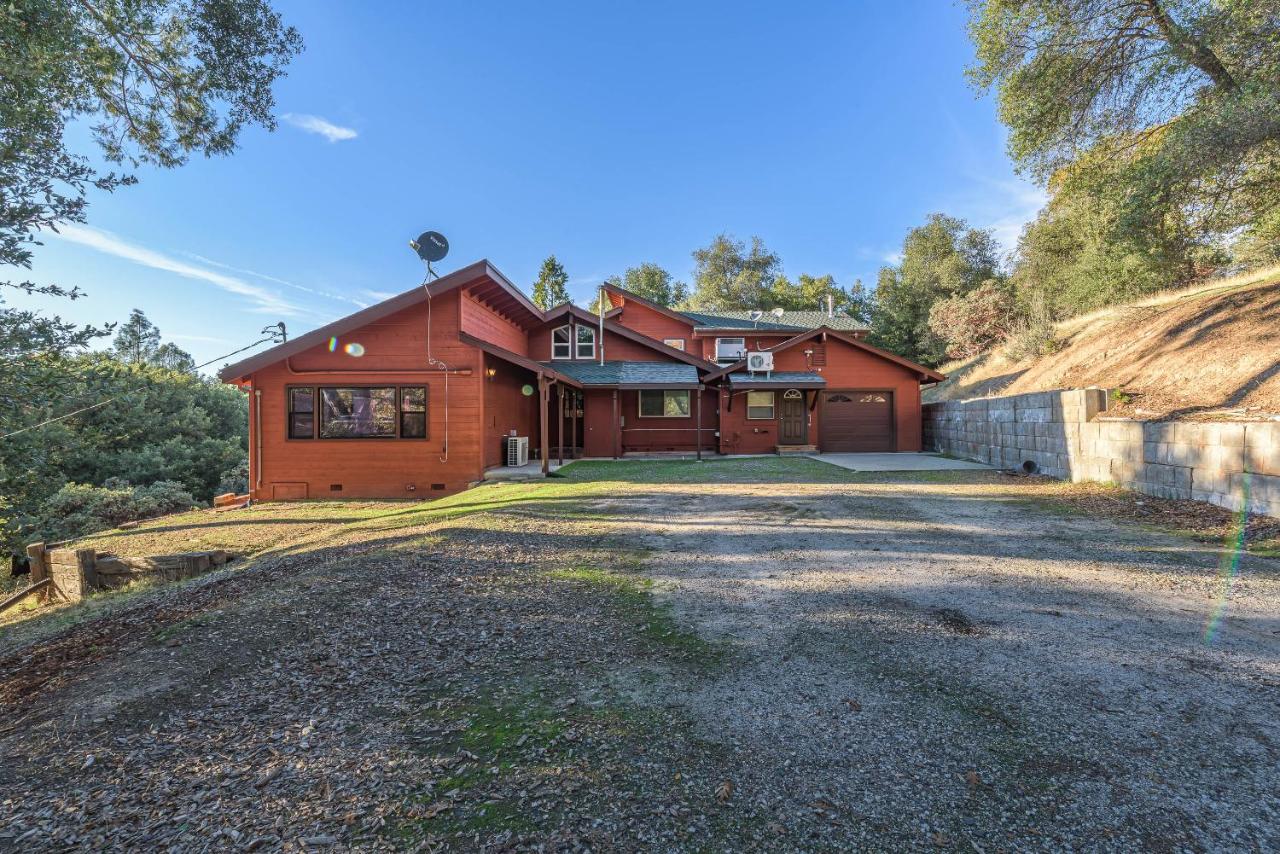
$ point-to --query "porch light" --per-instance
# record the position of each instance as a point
(491, 372)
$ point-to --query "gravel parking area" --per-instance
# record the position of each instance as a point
(616, 662)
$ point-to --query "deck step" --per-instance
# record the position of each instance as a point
(796, 449)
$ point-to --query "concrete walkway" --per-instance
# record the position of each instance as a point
(897, 462)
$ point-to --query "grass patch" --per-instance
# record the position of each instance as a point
(632, 597)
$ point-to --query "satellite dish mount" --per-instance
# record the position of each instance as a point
(430, 246)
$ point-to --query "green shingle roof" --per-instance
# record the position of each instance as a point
(777, 378)
(791, 321)
(627, 373)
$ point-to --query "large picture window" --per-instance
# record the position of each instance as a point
(730, 349)
(664, 403)
(586, 342)
(357, 412)
(561, 343)
(759, 405)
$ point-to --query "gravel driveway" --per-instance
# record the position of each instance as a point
(945, 666)
(923, 662)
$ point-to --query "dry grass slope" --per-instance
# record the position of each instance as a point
(1188, 354)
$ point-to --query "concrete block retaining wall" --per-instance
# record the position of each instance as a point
(1066, 434)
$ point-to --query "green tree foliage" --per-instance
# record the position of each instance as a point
(154, 81)
(137, 340)
(160, 425)
(653, 283)
(730, 275)
(552, 287)
(1078, 255)
(810, 293)
(1163, 110)
(78, 508)
(975, 322)
(941, 259)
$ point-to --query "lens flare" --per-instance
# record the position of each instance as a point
(354, 349)
(333, 344)
(1229, 563)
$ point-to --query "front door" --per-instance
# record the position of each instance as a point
(792, 429)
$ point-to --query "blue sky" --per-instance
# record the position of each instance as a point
(608, 134)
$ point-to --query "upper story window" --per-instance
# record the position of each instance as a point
(730, 349)
(586, 337)
(561, 343)
(677, 343)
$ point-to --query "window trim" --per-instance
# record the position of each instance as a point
(569, 344)
(680, 345)
(773, 406)
(289, 413)
(578, 328)
(317, 405)
(742, 354)
(688, 396)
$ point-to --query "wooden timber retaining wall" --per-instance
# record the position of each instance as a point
(75, 573)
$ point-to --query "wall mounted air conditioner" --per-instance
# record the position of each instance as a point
(517, 450)
(759, 362)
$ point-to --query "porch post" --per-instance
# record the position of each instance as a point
(617, 428)
(573, 421)
(560, 418)
(544, 399)
(697, 406)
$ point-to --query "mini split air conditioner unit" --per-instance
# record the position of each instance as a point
(759, 362)
(517, 450)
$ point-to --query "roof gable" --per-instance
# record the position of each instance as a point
(480, 272)
(927, 374)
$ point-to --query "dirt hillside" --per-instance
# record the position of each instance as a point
(1209, 351)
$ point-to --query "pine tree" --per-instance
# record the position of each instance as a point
(551, 289)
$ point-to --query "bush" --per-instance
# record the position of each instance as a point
(78, 509)
(235, 479)
(975, 322)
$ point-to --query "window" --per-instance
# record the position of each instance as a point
(677, 343)
(730, 349)
(561, 343)
(358, 413)
(759, 405)
(378, 412)
(413, 412)
(586, 342)
(664, 403)
(302, 413)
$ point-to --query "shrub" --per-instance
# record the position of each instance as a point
(975, 322)
(78, 509)
(235, 479)
(1035, 334)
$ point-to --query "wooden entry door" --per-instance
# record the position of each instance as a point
(793, 426)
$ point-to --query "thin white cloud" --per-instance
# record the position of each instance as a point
(278, 281)
(319, 126)
(261, 299)
(379, 295)
(201, 339)
(892, 258)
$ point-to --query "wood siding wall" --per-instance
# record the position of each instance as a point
(507, 408)
(479, 320)
(847, 367)
(394, 353)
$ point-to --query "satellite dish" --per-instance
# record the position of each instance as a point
(778, 312)
(430, 246)
(756, 315)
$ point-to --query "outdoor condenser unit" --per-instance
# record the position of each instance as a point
(759, 362)
(517, 450)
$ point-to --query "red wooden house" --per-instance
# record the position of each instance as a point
(419, 393)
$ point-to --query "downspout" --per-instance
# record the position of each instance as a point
(257, 441)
